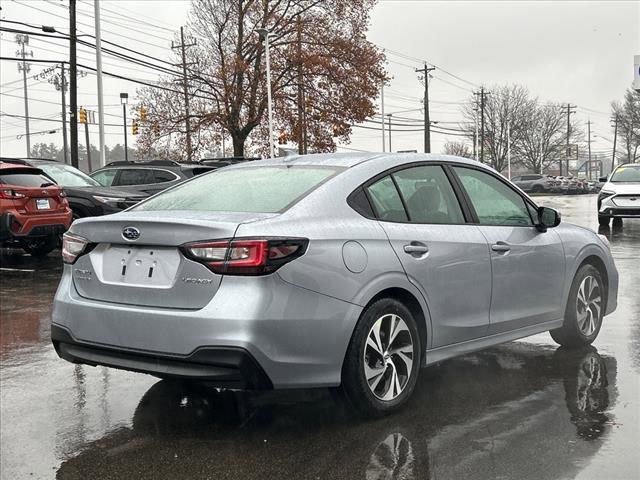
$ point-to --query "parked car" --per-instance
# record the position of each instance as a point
(86, 197)
(349, 270)
(149, 177)
(34, 211)
(537, 183)
(620, 195)
(564, 184)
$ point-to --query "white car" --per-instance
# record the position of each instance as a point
(620, 195)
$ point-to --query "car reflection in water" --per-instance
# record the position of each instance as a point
(515, 411)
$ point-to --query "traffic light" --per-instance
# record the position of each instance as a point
(134, 126)
(83, 115)
(143, 114)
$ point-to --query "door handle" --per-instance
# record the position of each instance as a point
(501, 247)
(416, 248)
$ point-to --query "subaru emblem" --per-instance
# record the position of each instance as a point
(130, 233)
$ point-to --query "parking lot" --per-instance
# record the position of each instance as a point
(522, 410)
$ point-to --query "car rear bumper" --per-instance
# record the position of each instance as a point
(30, 226)
(223, 367)
(297, 337)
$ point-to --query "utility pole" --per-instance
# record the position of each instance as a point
(103, 152)
(570, 109)
(73, 77)
(615, 138)
(482, 94)
(389, 115)
(124, 98)
(475, 135)
(62, 86)
(24, 67)
(508, 150)
(382, 114)
(301, 125)
(589, 143)
(185, 86)
(427, 123)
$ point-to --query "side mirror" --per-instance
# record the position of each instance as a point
(547, 218)
(603, 179)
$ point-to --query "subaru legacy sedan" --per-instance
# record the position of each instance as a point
(332, 270)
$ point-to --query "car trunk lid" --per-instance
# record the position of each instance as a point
(151, 270)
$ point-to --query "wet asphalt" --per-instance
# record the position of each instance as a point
(522, 410)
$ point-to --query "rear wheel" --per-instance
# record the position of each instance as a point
(383, 359)
(41, 247)
(603, 221)
(584, 311)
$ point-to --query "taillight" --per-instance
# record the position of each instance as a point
(246, 256)
(11, 194)
(72, 247)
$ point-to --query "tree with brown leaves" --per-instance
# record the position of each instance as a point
(325, 75)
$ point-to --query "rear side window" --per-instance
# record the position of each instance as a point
(428, 195)
(135, 176)
(253, 189)
(162, 176)
(27, 178)
(386, 201)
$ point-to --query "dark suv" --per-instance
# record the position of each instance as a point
(87, 198)
(147, 177)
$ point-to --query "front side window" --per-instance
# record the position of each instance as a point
(104, 177)
(386, 201)
(251, 189)
(428, 195)
(495, 203)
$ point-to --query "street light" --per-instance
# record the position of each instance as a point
(265, 34)
(124, 98)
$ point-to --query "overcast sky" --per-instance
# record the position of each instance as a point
(575, 51)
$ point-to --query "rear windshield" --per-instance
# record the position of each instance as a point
(26, 178)
(626, 174)
(260, 189)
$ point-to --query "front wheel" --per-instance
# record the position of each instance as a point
(383, 359)
(41, 247)
(603, 221)
(584, 311)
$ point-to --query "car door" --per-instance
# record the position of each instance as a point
(527, 264)
(445, 257)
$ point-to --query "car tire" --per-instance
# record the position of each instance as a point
(584, 310)
(41, 247)
(378, 376)
(617, 222)
(603, 221)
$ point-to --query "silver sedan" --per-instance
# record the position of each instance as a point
(336, 270)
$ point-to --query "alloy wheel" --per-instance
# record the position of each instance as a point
(388, 357)
(588, 305)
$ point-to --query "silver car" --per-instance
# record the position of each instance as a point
(334, 270)
(620, 195)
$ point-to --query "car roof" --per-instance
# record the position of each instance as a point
(348, 160)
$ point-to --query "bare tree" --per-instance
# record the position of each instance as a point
(459, 149)
(542, 139)
(627, 113)
(316, 45)
(506, 108)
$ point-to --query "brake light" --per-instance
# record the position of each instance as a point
(11, 194)
(246, 256)
(72, 247)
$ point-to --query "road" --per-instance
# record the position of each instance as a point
(522, 410)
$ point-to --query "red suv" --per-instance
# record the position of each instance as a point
(33, 209)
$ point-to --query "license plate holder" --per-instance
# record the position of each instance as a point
(43, 204)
